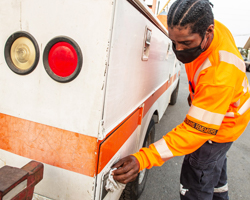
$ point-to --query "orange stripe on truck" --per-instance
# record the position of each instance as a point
(50, 145)
(123, 131)
(114, 142)
(150, 101)
(69, 150)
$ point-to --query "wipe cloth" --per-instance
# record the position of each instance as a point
(111, 184)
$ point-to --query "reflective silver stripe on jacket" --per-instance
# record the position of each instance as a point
(245, 85)
(204, 65)
(244, 107)
(229, 114)
(237, 104)
(231, 58)
(221, 189)
(225, 56)
(162, 148)
(205, 116)
(241, 111)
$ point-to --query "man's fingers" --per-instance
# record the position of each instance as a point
(127, 169)
(125, 165)
(124, 169)
(126, 178)
(118, 164)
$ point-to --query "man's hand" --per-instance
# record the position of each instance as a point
(127, 169)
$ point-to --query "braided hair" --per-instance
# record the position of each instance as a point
(196, 13)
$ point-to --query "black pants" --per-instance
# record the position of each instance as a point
(204, 173)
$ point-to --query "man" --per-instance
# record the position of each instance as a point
(219, 99)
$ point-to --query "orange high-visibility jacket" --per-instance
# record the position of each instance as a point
(220, 109)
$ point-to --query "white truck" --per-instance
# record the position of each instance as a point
(82, 84)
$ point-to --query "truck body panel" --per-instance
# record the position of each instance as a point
(80, 128)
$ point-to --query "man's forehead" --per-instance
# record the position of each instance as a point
(181, 29)
(183, 32)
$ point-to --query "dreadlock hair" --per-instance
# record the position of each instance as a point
(196, 13)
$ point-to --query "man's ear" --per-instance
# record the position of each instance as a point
(210, 29)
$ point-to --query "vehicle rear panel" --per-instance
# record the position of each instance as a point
(48, 121)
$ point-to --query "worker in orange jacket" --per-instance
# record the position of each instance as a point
(219, 99)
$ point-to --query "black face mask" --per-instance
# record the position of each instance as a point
(188, 55)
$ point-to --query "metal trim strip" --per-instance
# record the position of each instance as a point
(143, 8)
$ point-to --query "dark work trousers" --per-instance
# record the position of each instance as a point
(204, 173)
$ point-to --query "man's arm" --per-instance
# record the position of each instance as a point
(201, 124)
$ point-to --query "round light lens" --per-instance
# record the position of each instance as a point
(23, 53)
(63, 59)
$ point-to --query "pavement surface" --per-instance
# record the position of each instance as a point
(163, 182)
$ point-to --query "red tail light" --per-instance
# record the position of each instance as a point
(62, 59)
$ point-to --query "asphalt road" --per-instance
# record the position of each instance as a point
(163, 182)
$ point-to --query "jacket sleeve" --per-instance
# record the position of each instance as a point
(201, 124)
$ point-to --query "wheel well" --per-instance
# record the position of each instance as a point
(156, 117)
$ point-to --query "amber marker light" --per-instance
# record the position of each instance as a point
(21, 53)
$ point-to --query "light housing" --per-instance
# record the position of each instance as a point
(62, 59)
(21, 53)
